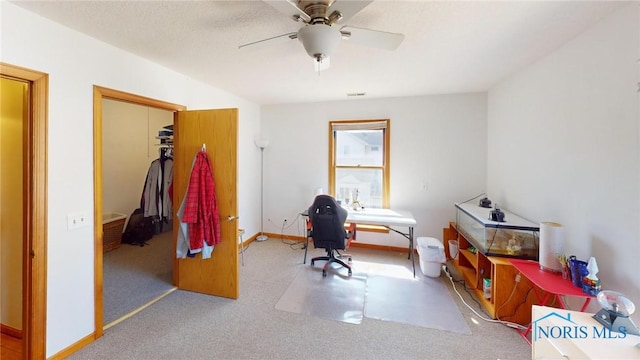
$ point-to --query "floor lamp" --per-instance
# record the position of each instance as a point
(262, 144)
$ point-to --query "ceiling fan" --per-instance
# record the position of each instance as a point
(321, 34)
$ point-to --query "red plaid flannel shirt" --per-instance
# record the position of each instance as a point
(201, 208)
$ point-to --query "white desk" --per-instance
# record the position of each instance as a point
(382, 217)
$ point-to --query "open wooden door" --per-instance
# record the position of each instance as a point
(218, 131)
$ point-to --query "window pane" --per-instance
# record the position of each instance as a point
(363, 184)
(359, 147)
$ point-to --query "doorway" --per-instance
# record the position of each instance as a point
(14, 115)
(200, 135)
(34, 209)
(101, 93)
(137, 270)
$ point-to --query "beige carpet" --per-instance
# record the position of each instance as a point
(185, 325)
(134, 275)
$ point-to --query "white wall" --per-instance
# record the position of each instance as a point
(75, 63)
(129, 145)
(440, 140)
(563, 146)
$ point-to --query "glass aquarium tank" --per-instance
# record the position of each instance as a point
(514, 237)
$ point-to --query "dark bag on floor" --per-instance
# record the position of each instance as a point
(139, 229)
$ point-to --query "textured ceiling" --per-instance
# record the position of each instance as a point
(449, 46)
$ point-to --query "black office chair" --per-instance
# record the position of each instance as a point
(327, 230)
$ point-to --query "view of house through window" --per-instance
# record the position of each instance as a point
(359, 164)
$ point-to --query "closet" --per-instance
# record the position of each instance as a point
(131, 143)
(156, 202)
(137, 173)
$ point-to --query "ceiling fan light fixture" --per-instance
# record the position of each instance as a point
(319, 40)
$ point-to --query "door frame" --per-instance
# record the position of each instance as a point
(34, 253)
(100, 93)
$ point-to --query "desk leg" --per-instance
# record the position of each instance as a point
(411, 255)
(525, 334)
(586, 303)
(564, 306)
(543, 301)
(560, 301)
(409, 237)
(306, 244)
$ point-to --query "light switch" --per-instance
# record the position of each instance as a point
(83, 220)
(77, 220)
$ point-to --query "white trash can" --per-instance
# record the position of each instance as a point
(432, 256)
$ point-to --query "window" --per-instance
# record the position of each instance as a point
(359, 162)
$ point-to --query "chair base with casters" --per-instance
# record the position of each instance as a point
(343, 255)
(331, 258)
(326, 226)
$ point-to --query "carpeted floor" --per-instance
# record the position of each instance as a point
(185, 325)
(134, 275)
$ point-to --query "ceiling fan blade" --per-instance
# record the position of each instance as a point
(348, 8)
(373, 38)
(271, 40)
(289, 8)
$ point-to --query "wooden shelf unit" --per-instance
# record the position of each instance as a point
(510, 300)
